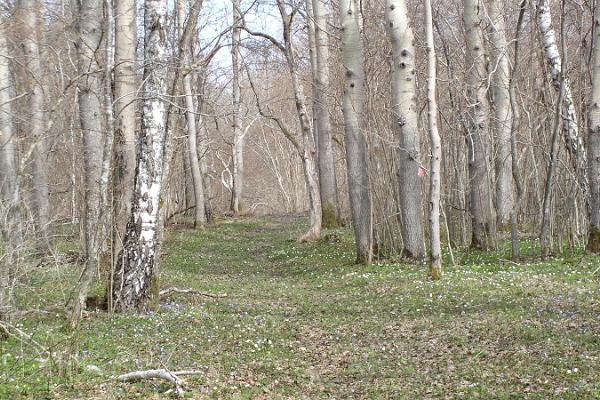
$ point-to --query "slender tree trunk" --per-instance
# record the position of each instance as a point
(125, 125)
(593, 243)
(97, 136)
(10, 217)
(435, 186)
(482, 214)
(573, 140)
(325, 157)
(502, 113)
(28, 11)
(405, 117)
(238, 134)
(356, 143)
(136, 277)
(186, 62)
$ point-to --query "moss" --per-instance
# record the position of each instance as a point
(593, 243)
(329, 216)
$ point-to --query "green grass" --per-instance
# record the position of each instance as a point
(302, 321)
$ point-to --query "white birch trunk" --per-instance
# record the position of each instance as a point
(502, 114)
(356, 143)
(593, 244)
(405, 117)
(435, 269)
(136, 277)
(572, 138)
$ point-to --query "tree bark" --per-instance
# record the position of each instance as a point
(405, 117)
(192, 131)
(435, 187)
(573, 140)
(356, 143)
(10, 216)
(482, 213)
(325, 155)
(28, 11)
(136, 284)
(238, 134)
(90, 18)
(593, 243)
(125, 127)
(502, 113)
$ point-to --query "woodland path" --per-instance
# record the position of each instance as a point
(302, 321)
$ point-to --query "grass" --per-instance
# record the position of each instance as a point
(302, 321)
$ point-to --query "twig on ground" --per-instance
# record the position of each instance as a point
(164, 374)
(169, 291)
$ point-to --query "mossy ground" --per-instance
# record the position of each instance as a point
(302, 321)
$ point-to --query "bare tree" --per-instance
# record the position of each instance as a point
(10, 197)
(28, 14)
(502, 112)
(405, 123)
(327, 178)
(435, 187)
(482, 215)
(593, 243)
(192, 130)
(136, 275)
(356, 144)
(238, 136)
(125, 87)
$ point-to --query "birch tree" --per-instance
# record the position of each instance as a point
(502, 112)
(356, 143)
(325, 157)
(125, 87)
(192, 131)
(238, 136)
(136, 275)
(435, 187)
(480, 202)
(405, 122)
(27, 13)
(593, 243)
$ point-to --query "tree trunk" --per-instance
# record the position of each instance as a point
(125, 88)
(89, 93)
(28, 13)
(405, 117)
(325, 157)
(10, 216)
(502, 114)
(593, 243)
(238, 134)
(186, 63)
(356, 143)
(482, 215)
(435, 187)
(573, 140)
(136, 283)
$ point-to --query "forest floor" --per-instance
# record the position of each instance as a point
(302, 321)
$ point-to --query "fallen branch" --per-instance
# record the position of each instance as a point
(169, 291)
(164, 374)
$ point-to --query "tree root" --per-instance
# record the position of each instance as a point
(164, 374)
(169, 291)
